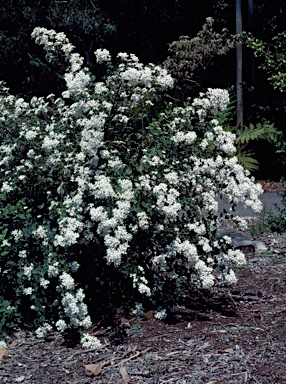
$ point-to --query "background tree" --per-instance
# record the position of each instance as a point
(22, 63)
(239, 85)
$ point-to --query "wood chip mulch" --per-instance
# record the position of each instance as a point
(234, 335)
(271, 186)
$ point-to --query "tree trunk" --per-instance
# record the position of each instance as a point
(239, 96)
(251, 53)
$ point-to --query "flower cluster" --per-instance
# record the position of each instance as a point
(89, 341)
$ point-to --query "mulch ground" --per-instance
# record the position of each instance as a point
(226, 336)
(271, 186)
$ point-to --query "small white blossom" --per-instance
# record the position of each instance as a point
(88, 341)
(143, 221)
(102, 56)
(5, 243)
(61, 325)
(160, 314)
(6, 187)
(230, 278)
(53, 270)
(144, 289)
(27, 270)
(43, 330)
(17, 233)
(23, 254)
(66, 281)
(44, 283)
(28, 291)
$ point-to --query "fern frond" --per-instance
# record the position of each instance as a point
(246, 160)
(261, 131)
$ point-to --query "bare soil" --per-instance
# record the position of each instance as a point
(223, 336)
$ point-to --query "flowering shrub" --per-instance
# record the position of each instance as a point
(104, 192)
(189, 58)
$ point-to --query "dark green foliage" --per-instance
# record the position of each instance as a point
(189, 58)
(273, 57)
(277, 222)
(265, 131)
(22, 63)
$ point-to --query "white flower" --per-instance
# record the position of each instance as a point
(102, 55)
(143, 221)
(76, 61)
(23, 254)
(75, 309)
(17, 233)
(76, 83)
(28, 291)
(123, 56)
(6, 187)
(164, 79)
(160, 314)
(186, 248)
(236, 256)
(44, 283)
(144, 182)
(67, 281)
(227, 239)
(190, 137)
(204, 242)
(100, 88)
(181, 137)
(5, 243)
(172, 177)
(70, 229)
(61, 325)
(30, 135)
(144, 289)
(27, 270)
(115, 163)
(230, 278)
(131, 76)
(160, 260)
(102, 187)
(40, 232)
(88, 341)
(53, 270)
(42, 331)
(213, 101)
(50, 143)
(98, 214)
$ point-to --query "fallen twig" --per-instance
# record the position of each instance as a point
(81, 351)
(131, 357)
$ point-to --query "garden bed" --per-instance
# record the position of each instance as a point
(226, 335)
